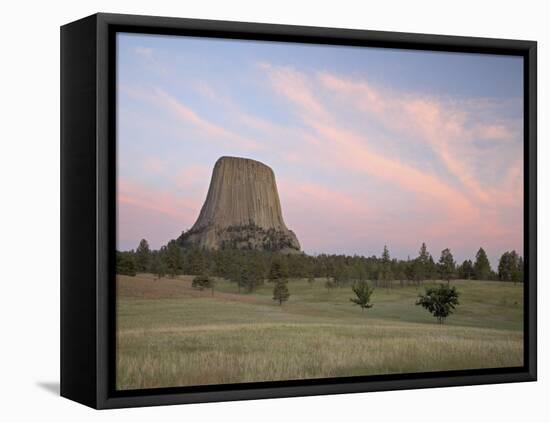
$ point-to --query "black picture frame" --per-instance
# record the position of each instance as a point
(88, 108)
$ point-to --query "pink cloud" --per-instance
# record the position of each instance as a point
(352, 152)
(496, 132)
(135, 200)
(295, 87)
(348, 149)
(443, 128)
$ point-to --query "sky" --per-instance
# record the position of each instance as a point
(369, 146)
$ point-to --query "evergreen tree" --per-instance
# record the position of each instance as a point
(173, 258)
(520, 271)
(432, 268)
(202, 282)
(278, 273)
(423, 264)
(143, 256)
(466, 270)
(384, 273)
(341, 274)
(482, 267)
(508, 267)
(278, 270)
(157, 267)
(125, 263)
(412, 271)
(196, 262)
(280, 291)
(363, 293)
(401, 275)
(250, 277)
(446, 265)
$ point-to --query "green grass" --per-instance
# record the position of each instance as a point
(172, 335)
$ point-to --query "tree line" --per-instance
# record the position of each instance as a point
(249, 268)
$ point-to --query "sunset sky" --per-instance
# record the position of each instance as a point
(369, 146)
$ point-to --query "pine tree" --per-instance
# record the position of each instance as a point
(278, 273)
(432, 268)
(196, 264)
(385, 274)
(508, 267)
(143, 256)
(125, 263)
(466, 269)
(423, 263)
(520, 271)
(446, 265)
(157, 267)
(251, 276)
(280, 291)
(278, 270)
(202, 282)
(173, 258)
(482, 267)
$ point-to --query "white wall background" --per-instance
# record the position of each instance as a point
(29, 178)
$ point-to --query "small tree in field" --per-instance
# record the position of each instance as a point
(203, 282)
(440, 301)
(280, 291)
(363, 292)
(278, 273)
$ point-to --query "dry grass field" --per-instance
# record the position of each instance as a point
(169, 334)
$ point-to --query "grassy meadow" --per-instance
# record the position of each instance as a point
(169, 334)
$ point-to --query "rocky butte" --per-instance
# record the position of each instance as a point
(242, 210)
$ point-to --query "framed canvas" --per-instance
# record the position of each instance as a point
(257, 211)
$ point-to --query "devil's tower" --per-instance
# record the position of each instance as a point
(242, 210)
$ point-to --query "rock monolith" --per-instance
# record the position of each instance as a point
(242, 210)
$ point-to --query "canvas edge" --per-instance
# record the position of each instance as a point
(78, 312)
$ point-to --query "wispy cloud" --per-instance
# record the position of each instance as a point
(446, 130)
(204, 126)
(449, 128)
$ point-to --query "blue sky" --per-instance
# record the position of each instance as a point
(369, 146)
